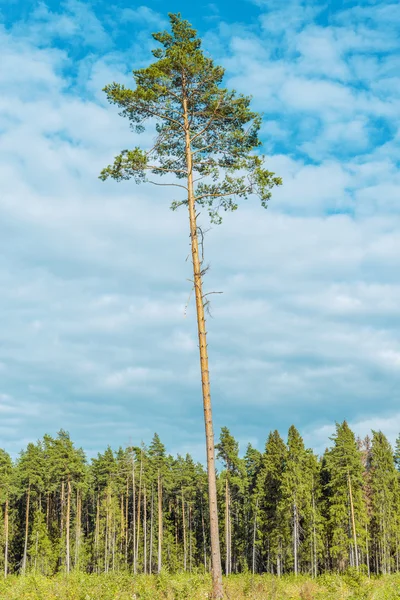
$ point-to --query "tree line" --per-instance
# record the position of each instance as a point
(139, 509)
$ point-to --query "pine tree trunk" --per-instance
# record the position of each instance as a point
(6, 528)
(254, 538)
(205, 377)
(184, 532)
(122, 525)
(77, 528)
(151, 531)
(97, 535)
(227, 558)
(367, 549)
(295, 537)
(353, 521)
(190, 538)
(126, 521)
(204, 538)
(139, 506)
(67, 526)
(107, 535)
(48, 511)
(134, 516)
(160, 523)
(24, 558)
(144, 531)
(314, 538)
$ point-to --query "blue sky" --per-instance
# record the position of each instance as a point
(94, 336)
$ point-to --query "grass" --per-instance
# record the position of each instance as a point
(78, 586)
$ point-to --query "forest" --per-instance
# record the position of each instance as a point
(140, 510)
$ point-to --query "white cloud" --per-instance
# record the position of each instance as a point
(94, 277)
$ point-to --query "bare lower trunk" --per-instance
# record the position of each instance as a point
(77, 529)
(184, 532)
(254, 538)
(205, 376)
(6, 538)
(126, 521)
(97, 534)
(139, 505)
(67, 526)
(295, 537)
(151, 531)
(160, 523)
(353, 522)
(315, 562)
(24, 558)
(144, 531)
(204, 538)
(227, 544)
(134, 516)
(190, 538)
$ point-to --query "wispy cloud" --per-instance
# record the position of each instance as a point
(94, 276)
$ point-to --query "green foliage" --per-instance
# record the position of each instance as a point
(282, 503)
(182, 95)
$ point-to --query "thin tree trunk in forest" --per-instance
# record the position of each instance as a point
(67, 526)
(6, 528)
(295, 537)
(134, 516)
(205, 376)
(62, 508)
(190, 538)
(97, 535)
(122, 525)
(77, 528)
(367, 549)
(278, 560)
(138, 505)
(107, 535)
(151, 531)
(184, 532)
(353, 521)
(160, 523)
(227, 553)
(254, 538)
(126, 520)
(47, 511)
(204, 538)
(24, 558)
(315, 571)
(36, 551)
(144, 531)
(114, 530)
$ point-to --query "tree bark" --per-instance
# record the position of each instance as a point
(77, 529)
(97, 534)
(353, 521)
(67, 525)
(205, 376)
(204, 538)
(184, 532)
(295, 537)
(134, 516)
(24, 558)
(160, 523)
(151, 531)
(6, 528)
(144, 531)
(254, 538)
(138, 504)
(315, 566)
(226, 527)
